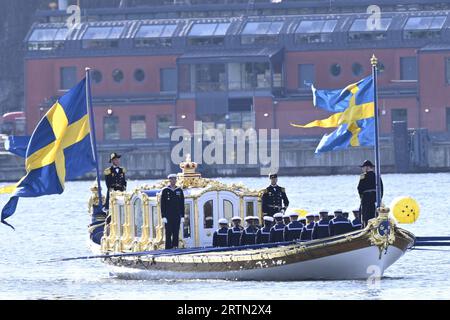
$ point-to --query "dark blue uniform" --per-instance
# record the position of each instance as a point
(293, 231)
(220, 237)
(248, 236)
(274, 199)
(172, 208)
(367, 193)
(356, 224)
(277, 233)
(340, 225)
(321, 229)
(307, 232)
(263, 235)
(115, 181)
(234, 236)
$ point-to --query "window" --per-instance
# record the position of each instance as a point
(47, 39)
(97, 76)
(163, 126)
(210, 77)
(399, 115)
(139, 75)
(408, 68)
(208, 216)
(168, 80)
(357, 69)
(423, 27)
(335, 69)
(102, 37)
(68, 77)
(117, 75)
(187, 221)
(208, 33)
(261, 32)
(448, 118)
(361, 30)
(248, 76)
(111, 128)
(138, 218)
(155, 35)
(250, 209)
(138, 127)
(447, 70)
(227, 210)
(315, 31)
(154, 214)
(241, 115)
(305, 75)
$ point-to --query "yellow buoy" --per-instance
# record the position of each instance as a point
(301, 212)
(405, 209)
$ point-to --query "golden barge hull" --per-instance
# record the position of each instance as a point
(356, 255)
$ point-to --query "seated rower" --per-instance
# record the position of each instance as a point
(277, 231)
(286, 218)
(321, 229)
(339, 225)
(263, 234)
(302, 220)
(330, 216)
(316, 217)
(256, 222)
(345, 214)
(248, 235)
(308, 228)
(220, 236)
(356, 223)
(294, 229)
(234, 233)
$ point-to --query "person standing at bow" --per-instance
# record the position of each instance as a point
(274, 199)
(172, 211)
(114, 177)
(367, 192)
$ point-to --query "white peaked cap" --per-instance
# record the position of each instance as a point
(173, 175)
(278, 215)
(293, 214)
(223, 221)
(236, 218)
(311, 215)
(268, 218)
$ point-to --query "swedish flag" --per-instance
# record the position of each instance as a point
(354, 113)
(59, 149)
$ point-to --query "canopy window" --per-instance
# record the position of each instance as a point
(424, 27)
(47, 39)
(155, 35)
(261, 32)
(315, 31)
(208, 33)
(364, 30)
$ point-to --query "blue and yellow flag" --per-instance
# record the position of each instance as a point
(59, 149)
(354, 113)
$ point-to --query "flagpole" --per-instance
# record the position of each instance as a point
(374, 62)
(93, 138)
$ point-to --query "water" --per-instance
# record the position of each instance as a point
(54, 227)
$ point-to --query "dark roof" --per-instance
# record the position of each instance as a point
(436, 47)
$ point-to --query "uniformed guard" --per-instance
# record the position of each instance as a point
(248, 235)
(293, 230)
(340, 224)
(367, 191)
(172, 211)
(356, 223)
(277, 231)
(263, 234)
(308, 228)
(321, 229)
(274, 199)
(330, 216)
(220, 236)
(114, 177)
(234, 233)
